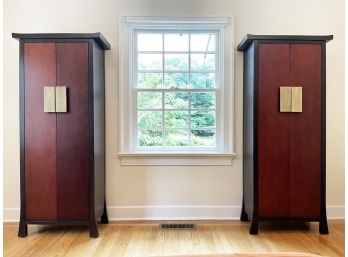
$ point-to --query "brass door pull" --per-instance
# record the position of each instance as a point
(49, 99)
(296, 99)
(61, 99)
(290, 99)
(285, 99)
(55, 99)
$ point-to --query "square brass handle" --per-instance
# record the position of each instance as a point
(285, 99)
(296, 99)
(49, 99)
(55, 99)
(290, 99)
(61, 99)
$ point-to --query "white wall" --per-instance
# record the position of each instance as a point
(175, 192)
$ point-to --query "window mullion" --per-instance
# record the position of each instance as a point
(189, 61)
(189, 132)
(189, 83)
(162, 90)
(162, 119)
(193, 90)
(162, 59)
(177, 52)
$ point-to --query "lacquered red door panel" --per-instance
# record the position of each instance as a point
(73, 133)
(273, 138)
(305, 132)
(40, 133)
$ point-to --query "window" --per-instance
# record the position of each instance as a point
(175, 96)
(175, 86)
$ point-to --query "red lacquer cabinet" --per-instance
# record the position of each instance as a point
(62, 130)
(284, 129)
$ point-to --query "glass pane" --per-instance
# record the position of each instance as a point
(149, 80)
(203, 119)
(148, 138)
(176, 119)
(173, 62)
(203, 100)
(149, 100)
(203, 80)
(176, 80)
(202, 42)
(203, 62)
(177, 100)
(203, 138)
(149, 119)
(150, 42)
(176, 138)
(150, 62)
(176, 42)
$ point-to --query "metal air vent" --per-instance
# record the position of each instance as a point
(177, 226)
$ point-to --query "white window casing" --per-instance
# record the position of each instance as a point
(128, 151)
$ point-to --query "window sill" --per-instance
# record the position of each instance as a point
(176, 159)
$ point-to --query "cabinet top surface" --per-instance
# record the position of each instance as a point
(249, 38)
(98, 37)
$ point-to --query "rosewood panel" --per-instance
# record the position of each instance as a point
(273, 129)
(73, 132)
(305, 132)
(40, 133)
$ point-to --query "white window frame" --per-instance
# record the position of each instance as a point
(224, 151)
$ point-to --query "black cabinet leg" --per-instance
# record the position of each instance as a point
(244, 215)
(323, 228)
(23, 229)
(254, 228)
(93, 230)
(104, 218)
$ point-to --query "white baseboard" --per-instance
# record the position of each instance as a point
(176, 212)
(335, 212)
(11, 214)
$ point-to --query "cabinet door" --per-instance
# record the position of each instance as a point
(73, 133)
(305, 132)
(40, 133)
(273, 132)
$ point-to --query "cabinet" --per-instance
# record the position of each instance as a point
(284, 129)
(62, 161)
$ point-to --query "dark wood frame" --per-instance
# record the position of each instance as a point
(249, 38)
(252, 184)
(102, 45)
(98, 37)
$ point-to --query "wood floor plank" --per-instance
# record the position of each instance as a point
(121, 242)
(107, 235)
(150, 244)
(140, 238)
(71, 239)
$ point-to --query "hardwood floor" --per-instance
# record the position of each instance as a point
(136, 239)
